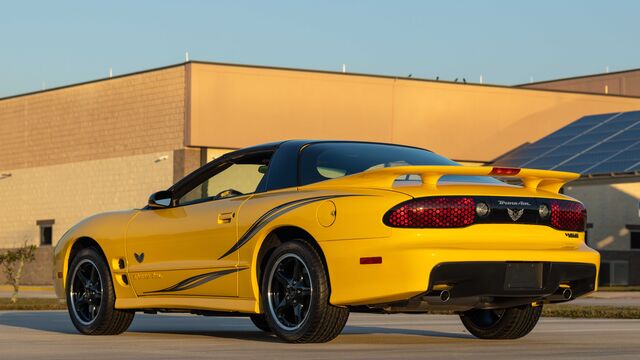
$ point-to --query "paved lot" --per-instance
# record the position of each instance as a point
(50, 335)
(612, 298)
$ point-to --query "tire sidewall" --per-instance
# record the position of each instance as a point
(516, 322)
(319, 295)
(108, 298)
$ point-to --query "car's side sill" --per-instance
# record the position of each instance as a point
(190, 303)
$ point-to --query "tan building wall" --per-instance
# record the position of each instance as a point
(70, 192)
(236, 106)
(610, 208)
(617, 83)
(128, 115)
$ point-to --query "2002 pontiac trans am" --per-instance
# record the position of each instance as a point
(297, 234)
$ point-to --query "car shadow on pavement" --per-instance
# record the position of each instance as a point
(51, 321)
(221, 327)
(371, 330)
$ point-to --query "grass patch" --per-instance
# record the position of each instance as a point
(591, 312)
(619, 288)
(32, 304)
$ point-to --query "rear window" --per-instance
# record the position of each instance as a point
(330, 160)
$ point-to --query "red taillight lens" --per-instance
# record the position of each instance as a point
(433, 212)
(502, 171)
(568, 215)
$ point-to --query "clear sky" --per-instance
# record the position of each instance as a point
(508, 42)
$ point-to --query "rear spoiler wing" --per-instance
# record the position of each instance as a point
(545, 180)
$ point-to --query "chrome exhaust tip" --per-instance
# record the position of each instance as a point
(567, 294)
(445, 295)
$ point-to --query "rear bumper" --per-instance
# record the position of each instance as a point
(412, 262)
(465, 279)
(489, 285)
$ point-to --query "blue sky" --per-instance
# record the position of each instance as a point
(508, 42)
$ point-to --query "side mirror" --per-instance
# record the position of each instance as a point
(160, 199)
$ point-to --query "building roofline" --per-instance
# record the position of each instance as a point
(405, 78)
(515, 87)
(579, 77)
(92, 81)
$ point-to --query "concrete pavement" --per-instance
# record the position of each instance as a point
(612, 298)
(50, 335)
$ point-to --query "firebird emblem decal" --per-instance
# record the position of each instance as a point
(139, 257)
(515, 214)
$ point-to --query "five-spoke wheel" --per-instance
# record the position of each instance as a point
(91, 297)
(295, 295)
(289, 291)
(86, 291)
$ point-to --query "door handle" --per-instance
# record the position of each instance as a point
(225, 217)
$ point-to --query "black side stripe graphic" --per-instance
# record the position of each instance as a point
(273, 214)
(195, 281)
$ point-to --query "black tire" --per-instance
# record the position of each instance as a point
(511, 323)
(306, 316)
(260, 322)
(94, 314)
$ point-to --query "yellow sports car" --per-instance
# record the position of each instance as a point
(297, 234)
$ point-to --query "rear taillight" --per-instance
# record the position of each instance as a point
(432, 212)
(568, 215)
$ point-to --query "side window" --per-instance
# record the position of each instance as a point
(237, 177)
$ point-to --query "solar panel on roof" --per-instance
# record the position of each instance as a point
(594, 144)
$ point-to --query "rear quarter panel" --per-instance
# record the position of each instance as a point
(358, 215)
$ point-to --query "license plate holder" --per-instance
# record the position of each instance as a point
(523, 276)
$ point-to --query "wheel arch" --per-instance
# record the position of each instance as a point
(279, 236)
(83, 242)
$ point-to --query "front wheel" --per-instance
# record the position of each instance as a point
(295, 296)
(91, 298)
(511, 323)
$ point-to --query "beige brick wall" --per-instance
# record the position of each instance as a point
(130, 115)
(610, 208)
(68, 193)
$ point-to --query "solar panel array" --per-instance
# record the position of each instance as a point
(594, 144)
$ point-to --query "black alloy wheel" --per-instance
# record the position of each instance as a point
(295, 295)
(86, 292)
(91, 296)
(289, 290)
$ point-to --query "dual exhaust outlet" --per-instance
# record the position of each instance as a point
(445, 295)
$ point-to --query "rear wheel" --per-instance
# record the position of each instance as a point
(511, 323)
(295, 296)
(260, 322)
(91, 298)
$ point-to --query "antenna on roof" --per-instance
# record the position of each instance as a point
(186, 56)
(481, 79)
(531, 79)
(110, 73)
(606, 69)
(344, 68)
